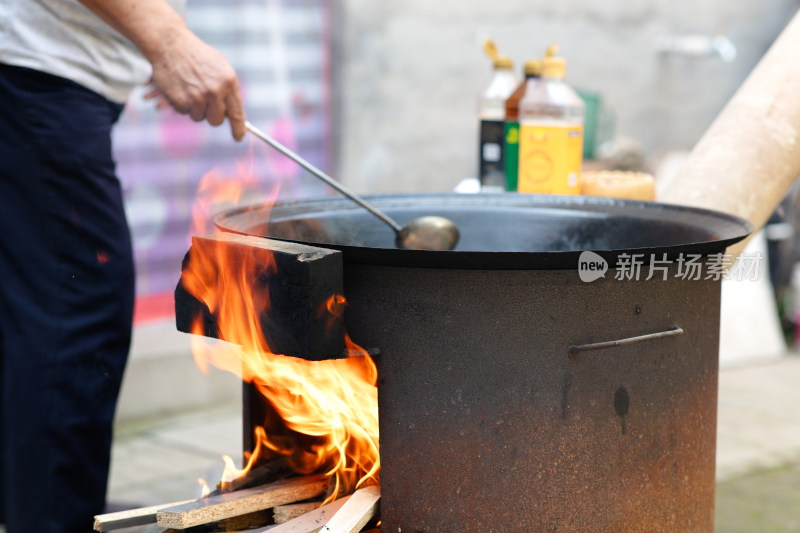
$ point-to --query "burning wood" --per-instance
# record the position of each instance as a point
(234, 511)
(328, 407)
(215, 508)
(267, 472)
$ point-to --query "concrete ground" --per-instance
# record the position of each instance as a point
(763, 501)
(758, 454)
(758, 448)
(161, 460)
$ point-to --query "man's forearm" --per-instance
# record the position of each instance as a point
(149, 24)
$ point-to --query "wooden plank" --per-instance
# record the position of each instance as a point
(356, 512)
(284, 513)
(311, 522)
(131, 517)
(215, 508)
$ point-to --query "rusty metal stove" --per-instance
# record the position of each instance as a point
(512, 395)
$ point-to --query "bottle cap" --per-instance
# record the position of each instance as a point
(554, 67)
(533, 67)
(499, 61)
(503, 62)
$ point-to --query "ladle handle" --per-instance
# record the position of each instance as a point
(321, 175)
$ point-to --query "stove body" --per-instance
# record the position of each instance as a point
(504, 405)
(488, 418)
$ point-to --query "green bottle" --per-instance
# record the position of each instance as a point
(533, 73)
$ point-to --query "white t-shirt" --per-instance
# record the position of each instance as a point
(64, 38)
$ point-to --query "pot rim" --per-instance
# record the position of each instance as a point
(727, 229)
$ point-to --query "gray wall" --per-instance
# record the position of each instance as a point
(408, 74)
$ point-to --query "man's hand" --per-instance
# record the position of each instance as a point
(191, 76)
(196, 80)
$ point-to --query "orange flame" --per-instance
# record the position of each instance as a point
(232, 473)
(218, 191)
(205, 490)
(331, 404)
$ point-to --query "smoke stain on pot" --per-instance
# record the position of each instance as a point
(622, 402)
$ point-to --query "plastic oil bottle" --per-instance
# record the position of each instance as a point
(551, 133)
(533, 73)
(492, 114)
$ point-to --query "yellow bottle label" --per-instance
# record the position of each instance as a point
(550, 158)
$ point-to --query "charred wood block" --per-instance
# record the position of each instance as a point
(297, 279)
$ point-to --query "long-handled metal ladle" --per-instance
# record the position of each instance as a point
(422, 233)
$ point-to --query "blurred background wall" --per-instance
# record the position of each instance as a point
(408, 74)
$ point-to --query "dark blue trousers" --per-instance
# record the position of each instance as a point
(66, 301)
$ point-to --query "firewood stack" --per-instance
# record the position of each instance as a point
(271, 507)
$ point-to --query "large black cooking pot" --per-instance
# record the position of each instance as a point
(513, 396)
(504, 231)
